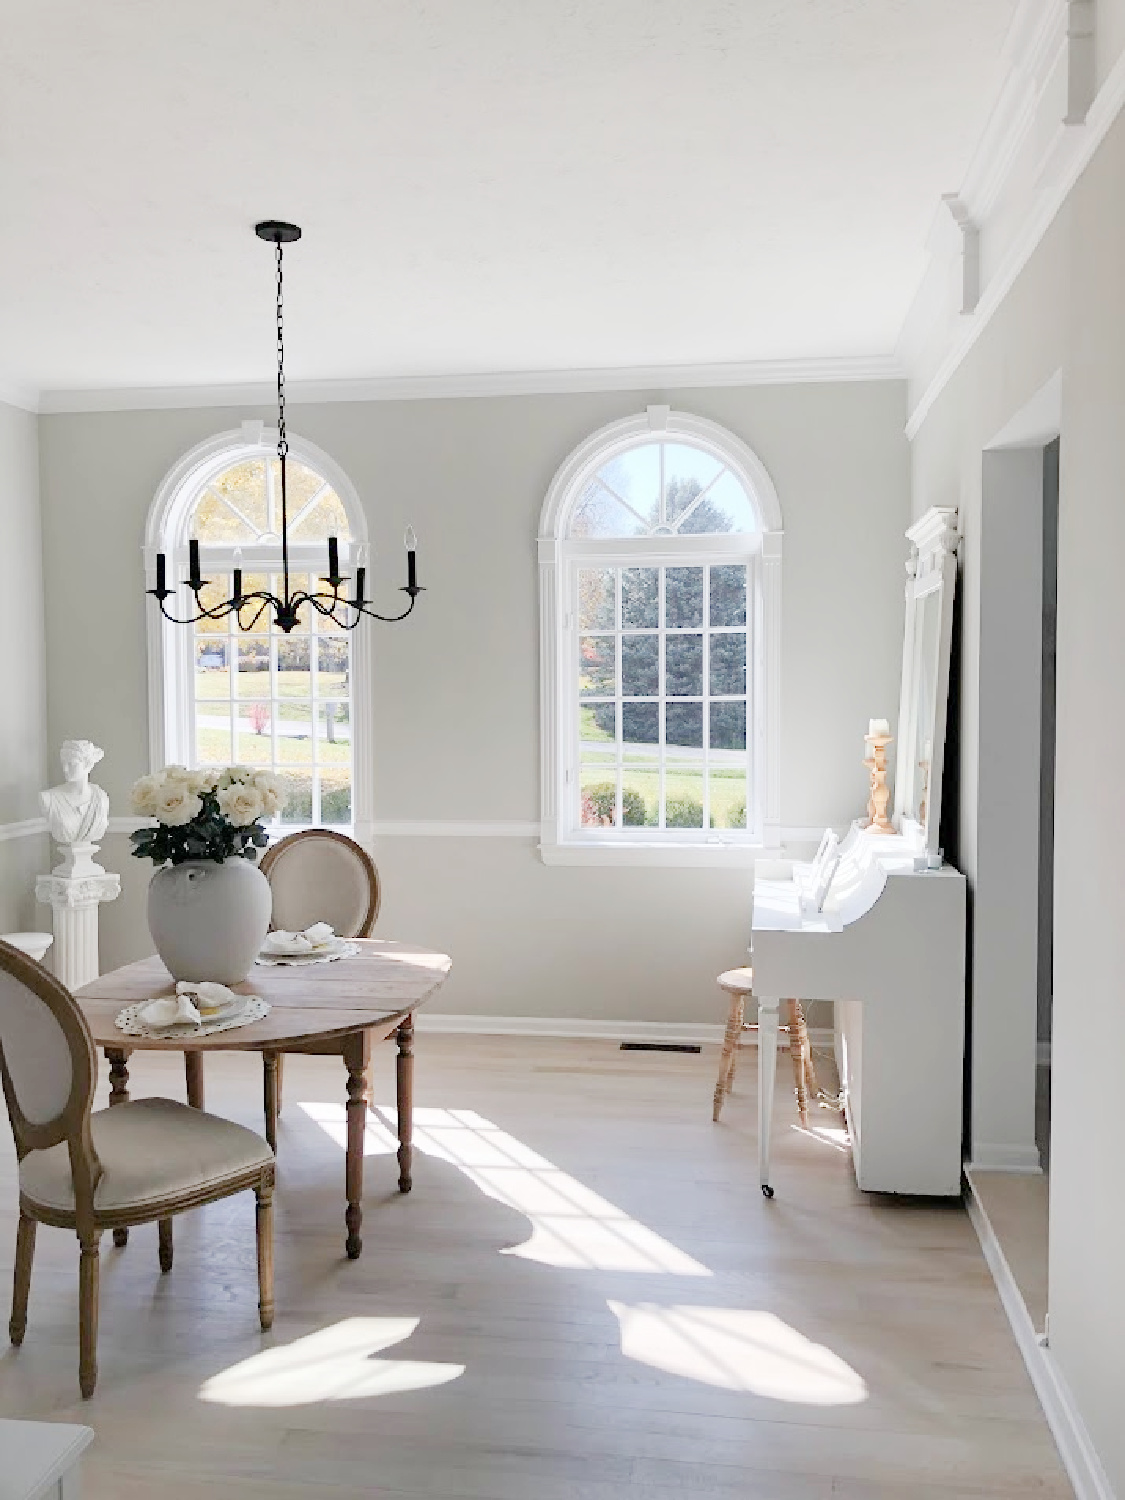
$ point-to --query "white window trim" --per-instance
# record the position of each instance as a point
(171, 702)
(762, 550)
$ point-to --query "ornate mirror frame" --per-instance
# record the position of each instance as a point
(931, 576)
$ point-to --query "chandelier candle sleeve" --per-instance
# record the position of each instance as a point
(195, 577)
(411, 559)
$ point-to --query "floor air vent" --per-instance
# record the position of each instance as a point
(660, 1047)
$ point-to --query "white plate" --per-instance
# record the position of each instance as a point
(324, 953)
(225, 1012)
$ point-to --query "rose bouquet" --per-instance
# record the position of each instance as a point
(214, 814)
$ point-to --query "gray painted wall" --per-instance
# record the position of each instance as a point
(1066, 311)
(23, 713)
(457, 687)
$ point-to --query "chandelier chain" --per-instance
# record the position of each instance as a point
(282, 439)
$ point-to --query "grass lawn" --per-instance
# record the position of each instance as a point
(213, 749)
(213, 685)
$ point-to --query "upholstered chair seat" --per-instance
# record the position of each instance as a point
(150, 1150)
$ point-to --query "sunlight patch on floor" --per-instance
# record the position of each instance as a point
(571, 1226)
(334, 1364)
(737, 1350)
(831, 1135)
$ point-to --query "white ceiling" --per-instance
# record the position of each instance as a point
(484, 185)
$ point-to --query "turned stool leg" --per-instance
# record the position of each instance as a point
(730, 1047)
(733, 1064)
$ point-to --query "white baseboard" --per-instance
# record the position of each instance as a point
(991, 1157)
(690, 1033)
(1075, 1447)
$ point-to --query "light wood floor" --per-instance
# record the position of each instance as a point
(538, 1399)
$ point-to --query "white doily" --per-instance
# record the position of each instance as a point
(346, 951)
(129, 1021)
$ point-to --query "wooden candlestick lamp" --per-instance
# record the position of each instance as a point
(876, 763)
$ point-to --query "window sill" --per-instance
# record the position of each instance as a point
(644, 855)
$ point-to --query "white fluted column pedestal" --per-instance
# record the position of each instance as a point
(74, 902)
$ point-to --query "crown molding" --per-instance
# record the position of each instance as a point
(1038, 155)
(21, 397)
(831, 369)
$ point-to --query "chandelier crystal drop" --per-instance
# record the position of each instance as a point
(248, 609)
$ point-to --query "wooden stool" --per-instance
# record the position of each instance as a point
(739, 983)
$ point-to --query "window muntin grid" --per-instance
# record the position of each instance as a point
(662, 696)
(260, 697)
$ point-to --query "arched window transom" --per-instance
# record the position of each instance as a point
(663, 489)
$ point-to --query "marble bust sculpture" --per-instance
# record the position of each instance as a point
(77, 812)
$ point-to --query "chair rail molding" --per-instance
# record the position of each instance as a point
(26, 828)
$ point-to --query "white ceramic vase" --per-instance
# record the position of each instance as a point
(209, 920)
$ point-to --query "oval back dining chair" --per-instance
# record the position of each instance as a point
(316, 875)
(110, 1169)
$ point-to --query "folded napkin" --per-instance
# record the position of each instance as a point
(188, 1006)
(207, 995)
(281, 941)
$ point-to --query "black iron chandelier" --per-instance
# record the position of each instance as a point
(335, 605)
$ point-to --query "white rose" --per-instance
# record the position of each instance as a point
(144, 795)
(241, 805)
(273, 798)
(175, 804)
(203, 781)
(175, 773)
(235, 776)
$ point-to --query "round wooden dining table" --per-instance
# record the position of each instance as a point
(337, 1008)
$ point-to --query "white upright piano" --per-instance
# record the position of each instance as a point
(878, 926)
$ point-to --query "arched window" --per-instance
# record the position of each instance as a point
(660, 552)
(223, 695)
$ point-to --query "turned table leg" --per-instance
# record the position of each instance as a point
(118, 1094)
(357, 1054)
(404, 1078)
(193, 1073)
(271, 1079)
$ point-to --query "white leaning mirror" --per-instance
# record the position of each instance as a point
(931, 578)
